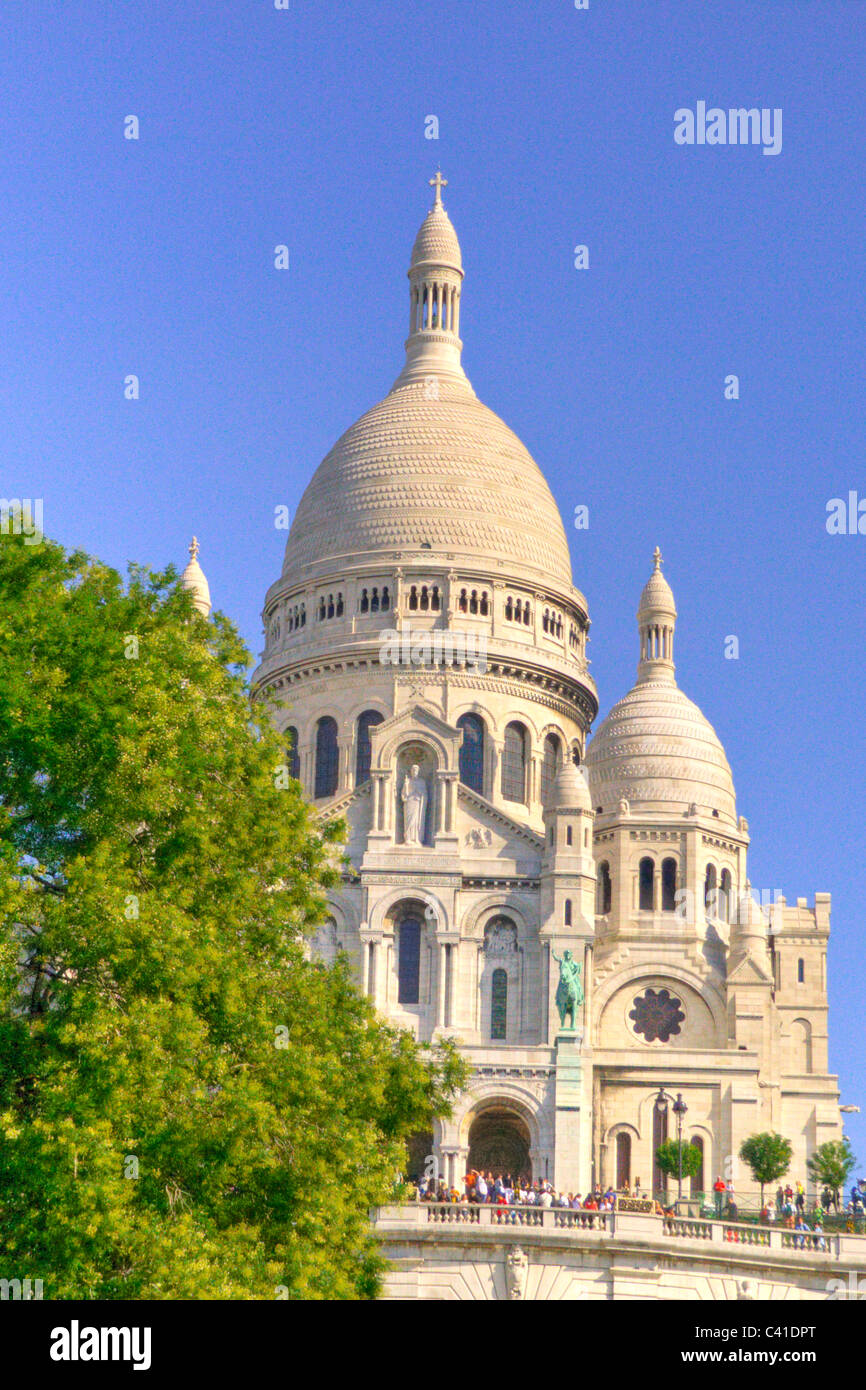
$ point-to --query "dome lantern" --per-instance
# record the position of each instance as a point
(656, 618)
(435, 277)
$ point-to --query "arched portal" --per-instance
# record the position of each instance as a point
(499, 1144)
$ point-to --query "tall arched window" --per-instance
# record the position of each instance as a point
(801, 971)
(471, 755)
(408, 960)
(623, 1160)
(567, 915)
(725, 903)
(499, 1005)
(293, 751)
(646, 875)
(327, 757)
(698, 1177)
(514, 763)
(711, 894)
(363, 752)
(669, 885)
(604, 888)
(660, 1134)
(549, 766)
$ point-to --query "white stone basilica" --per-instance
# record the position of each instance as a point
(485, 838)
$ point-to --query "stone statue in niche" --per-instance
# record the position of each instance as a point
(569, 991)
(516, 1271)
(413, 794)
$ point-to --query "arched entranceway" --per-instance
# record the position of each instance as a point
(499, 1144)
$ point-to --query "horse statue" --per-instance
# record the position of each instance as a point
(569, 991)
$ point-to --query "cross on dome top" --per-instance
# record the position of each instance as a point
(438, 183)
(194, 548)
(657, 558)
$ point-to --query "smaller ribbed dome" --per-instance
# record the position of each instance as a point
(658, 596)
(655, 749)
(570, 790)
(436, 242)
(193, 579)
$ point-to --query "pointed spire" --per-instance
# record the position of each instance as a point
(656, 618)
(194, 580)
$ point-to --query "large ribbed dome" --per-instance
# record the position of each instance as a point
(430, 467)
(441, 472)
(655, 749)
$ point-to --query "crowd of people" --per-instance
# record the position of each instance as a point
(505, 1191)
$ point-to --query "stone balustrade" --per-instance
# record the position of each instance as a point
(608, 1224)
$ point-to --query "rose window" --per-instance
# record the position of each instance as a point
(657, 1015)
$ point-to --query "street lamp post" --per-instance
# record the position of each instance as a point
(679, 1108)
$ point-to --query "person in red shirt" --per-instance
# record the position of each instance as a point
(719, 1190)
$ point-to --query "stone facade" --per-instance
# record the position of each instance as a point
(426, 656)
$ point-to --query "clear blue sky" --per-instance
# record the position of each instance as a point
(306, 127)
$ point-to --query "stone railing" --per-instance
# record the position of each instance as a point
(544, 1218)
(768, 1237)
(643, 1226)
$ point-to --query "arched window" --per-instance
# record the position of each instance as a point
(374, 601)
(425, 598)
(669, 885)
(623, 1161)
(473, 601)
(293, 751)
(660, 1134)
(800, 1047)
(499, 1005)
(568, 835)
(471, 754)
(646, 875)
(408, 960)
(509, 608)
(725, 896)
(463, 602)
(711, 894)
(327, 757)
(330, 605)
(365, 602)
(604, 888)
(339, 605)
(567, 916)
(386, 599)
(801, 971)
(413, 598)
(434, 598)
(527, 614)
(698, 1177)
(485, 604)
(549, 766)
(363, 752)
(514, 763)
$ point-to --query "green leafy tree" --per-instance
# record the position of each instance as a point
(189, 1108)
(767, 1156)
(831, 1164)
(668, 1158)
